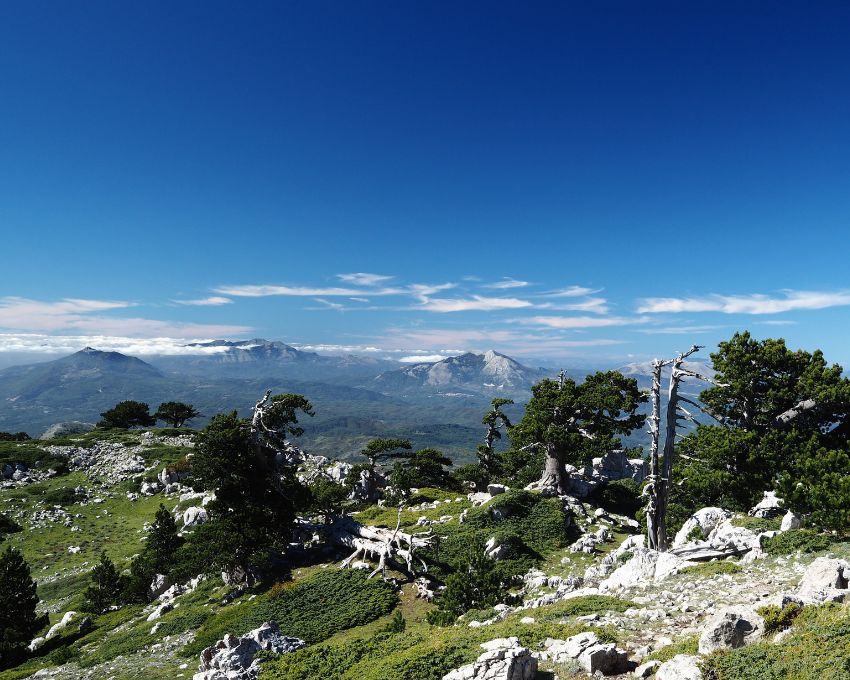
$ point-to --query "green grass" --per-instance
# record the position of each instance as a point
(688, 645)
(421, 654)
(712, 568)
(757, 524)
(584, 605)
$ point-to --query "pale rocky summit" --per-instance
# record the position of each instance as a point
(233, 657)
(730, 628)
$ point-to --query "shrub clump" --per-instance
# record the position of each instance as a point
(804, 540)
(779, 618)
(312, 610)
(712, 568)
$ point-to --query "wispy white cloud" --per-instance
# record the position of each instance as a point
(289, 291)
(421, 359)
(87, 316)
(359, 299)
(572, 291)
(754, 303)
(506, 283)
(213, 301)
(38, 343)
(679, 330)
(592, 305)
(330, 305)
(572, 322)
(473, 303)
(363, 279)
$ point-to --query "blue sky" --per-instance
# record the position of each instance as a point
(565, 182)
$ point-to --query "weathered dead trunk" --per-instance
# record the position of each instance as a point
(554, 478)
(652, 486)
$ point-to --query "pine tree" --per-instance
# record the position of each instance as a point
(19, 621)
(163, 541)
(176, 413)
(106, 586)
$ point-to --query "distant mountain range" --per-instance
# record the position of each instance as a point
(467, 374)
(356, 398)
(260, 358)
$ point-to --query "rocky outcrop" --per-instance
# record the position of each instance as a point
(704, 521)
(195, 516)
(680, 667)
(790, 521)
(503, 659)
(769, 506)
(826, 579)
(233, 657)
(730, 628)
(591, 654)
(645, 566)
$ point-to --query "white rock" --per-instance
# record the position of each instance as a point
(195, 517)
(768, 506)
(730, 628)
(705, 520)
(232, 658)
(496, 489)
(680, 667)
(825, 579)
(790, 521)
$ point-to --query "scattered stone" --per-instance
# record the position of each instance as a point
(592, 655)
(680, 667)
(233, 657)
(730, 628)
(790, 521)
(826, 579)
(503, 659)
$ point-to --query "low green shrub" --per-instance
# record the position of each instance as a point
(622, 497)
(804, 540)
(688, 645)
(63, 496)
(818, 648)
(712, 568)
(312, 610)
(757, 524)
(779, 618)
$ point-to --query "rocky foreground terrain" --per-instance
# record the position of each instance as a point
(602, 605)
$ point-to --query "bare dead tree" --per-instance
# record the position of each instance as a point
(658, 486)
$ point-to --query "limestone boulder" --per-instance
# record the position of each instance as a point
(503, 659)
(680, 667)
(704, 520)
(730, 628)
(825, 579)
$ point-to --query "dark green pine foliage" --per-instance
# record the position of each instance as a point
(176, 413)
(377, 452)
(19, 621)
(126, 414)
(106, 586)
(256, 499)
(427, 467)
(783, 419)
(570, 423)
(160, 556)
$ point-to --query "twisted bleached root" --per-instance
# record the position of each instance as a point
(385, 546)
